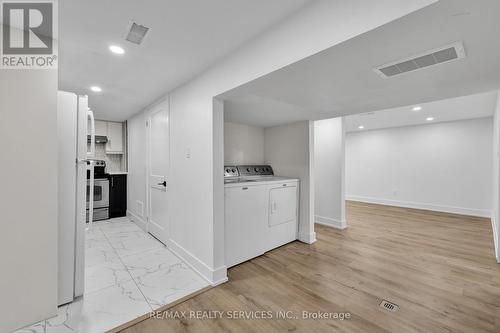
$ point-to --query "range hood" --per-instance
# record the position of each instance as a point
(98, 139)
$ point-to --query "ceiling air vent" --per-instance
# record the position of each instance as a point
(137, 33)
(429, 58)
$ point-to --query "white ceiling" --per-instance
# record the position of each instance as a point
(458, 108)
(186, 37)
(341, 81)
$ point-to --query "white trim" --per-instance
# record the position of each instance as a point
(342, 173)
(137, 220)
(308, 238)
(425, 206)
(212, 276)
(495, 237)
(329, 222)
(219, 276)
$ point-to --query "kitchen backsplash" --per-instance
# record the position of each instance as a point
(114, 162)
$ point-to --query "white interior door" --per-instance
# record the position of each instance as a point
(158, 170)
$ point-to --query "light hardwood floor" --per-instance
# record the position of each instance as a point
(439, 268)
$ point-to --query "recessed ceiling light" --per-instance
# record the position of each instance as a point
(116, 49)
(96, 89)
(429, 118)
(361, 127)
(417, 108)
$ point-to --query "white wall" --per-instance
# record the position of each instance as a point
(329, 176)
(243, 144)
(289, 150)
(495, 215)
(136, 178)
(444, 166)
(28, 197)
(321, 25)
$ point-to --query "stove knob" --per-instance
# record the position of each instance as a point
(256, 169)
(234, 170)
(228, 170)
(248, 169)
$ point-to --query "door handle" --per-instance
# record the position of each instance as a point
(163, 184)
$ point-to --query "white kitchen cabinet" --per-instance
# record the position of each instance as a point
(245, 223)
(101, 128)
(115, 138)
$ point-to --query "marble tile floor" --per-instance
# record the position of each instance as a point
(128, 273)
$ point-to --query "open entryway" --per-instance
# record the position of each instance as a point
(124, 269)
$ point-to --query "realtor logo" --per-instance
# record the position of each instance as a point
(28, 35)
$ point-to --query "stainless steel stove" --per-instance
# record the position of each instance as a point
(101, 191)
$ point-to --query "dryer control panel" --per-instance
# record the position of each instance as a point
(255, 170)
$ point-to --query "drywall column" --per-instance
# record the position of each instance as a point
(28, 197)
(289, 149)
(220, 271)
(329, 172)
(495, 216)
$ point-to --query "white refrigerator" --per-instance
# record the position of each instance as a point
(73, 117)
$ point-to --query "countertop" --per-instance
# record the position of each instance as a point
(258, 181)
(118, 173)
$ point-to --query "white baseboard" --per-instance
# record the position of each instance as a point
(219, 276)
(329, 222)
(307, 238)
(425, 206)
(212, 276)
(495, 237)
(137, 220)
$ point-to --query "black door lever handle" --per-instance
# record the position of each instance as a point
(164, 183)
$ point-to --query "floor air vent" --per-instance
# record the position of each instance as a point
(389, 306)
(441, 55)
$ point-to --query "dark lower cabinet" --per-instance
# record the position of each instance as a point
(117, 196)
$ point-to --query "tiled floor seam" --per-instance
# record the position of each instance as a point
(128, 271)
(118, 256)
